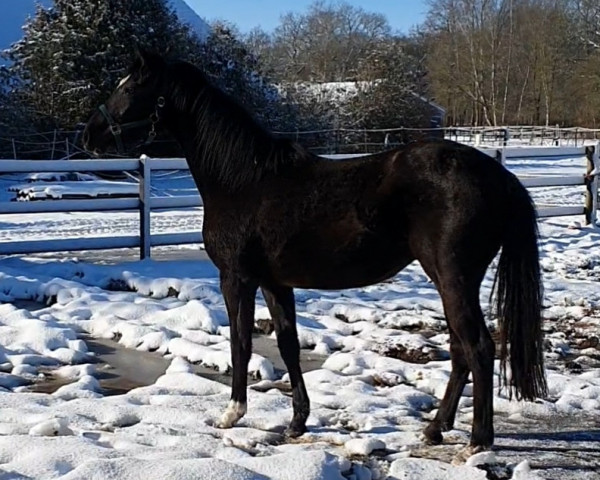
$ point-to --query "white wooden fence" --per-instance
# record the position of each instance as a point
(146, 203)
(588, 179)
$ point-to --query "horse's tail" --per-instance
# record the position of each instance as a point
(519, 298)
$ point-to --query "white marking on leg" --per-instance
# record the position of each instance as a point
(233, 412)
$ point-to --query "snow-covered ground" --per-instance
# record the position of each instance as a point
(386, 369)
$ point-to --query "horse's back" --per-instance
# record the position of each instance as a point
(448, 164)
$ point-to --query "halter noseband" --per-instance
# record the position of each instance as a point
(117, 128)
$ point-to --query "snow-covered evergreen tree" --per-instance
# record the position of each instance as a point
(14, 118)
(72, 55)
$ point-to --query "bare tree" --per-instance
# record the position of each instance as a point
(325, 44)
(498, 61)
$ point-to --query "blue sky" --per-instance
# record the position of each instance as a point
(246, 14)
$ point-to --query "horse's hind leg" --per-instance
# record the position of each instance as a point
(472, 347)
(281, 304)
(444, 419)
(463, 312)
(240, 302)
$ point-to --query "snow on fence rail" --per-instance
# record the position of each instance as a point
(145, 203)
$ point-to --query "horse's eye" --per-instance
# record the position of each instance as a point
(129, 90)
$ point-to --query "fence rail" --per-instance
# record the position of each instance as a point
(146, 203)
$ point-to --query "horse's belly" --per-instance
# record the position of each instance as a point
(341, 269)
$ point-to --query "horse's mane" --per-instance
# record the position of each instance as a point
(230, 145)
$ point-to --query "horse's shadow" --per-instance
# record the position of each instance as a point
(567, 436)
(566, 450)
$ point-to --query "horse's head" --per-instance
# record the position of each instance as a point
(130, 116)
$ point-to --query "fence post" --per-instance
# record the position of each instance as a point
(500, 158)
(14, 145)
(591, 184)
(145, 176)
(53, 145)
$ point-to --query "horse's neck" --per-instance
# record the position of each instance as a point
(210, 151)
(183, 127)
(225, 160)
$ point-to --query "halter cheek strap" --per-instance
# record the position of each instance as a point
(117, 128)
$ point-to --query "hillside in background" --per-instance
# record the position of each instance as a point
(187, 15)
(13, 15)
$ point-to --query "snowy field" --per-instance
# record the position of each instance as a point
(386, 366)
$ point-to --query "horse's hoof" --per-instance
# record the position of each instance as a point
(432, 435)
(233, 412)
(223, 425)
(294, 431)
(461, 457)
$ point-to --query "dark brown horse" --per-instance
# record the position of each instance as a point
(277, 217)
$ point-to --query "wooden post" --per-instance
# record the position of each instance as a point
(500, 156)
(591, 184)
(543, 136)
(337, 140)
(14, 145)
(53, 145)
(145, 176)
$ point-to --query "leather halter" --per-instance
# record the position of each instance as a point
(118, 128)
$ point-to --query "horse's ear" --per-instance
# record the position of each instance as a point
(146, 62)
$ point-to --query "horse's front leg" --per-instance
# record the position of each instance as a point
(239, 298)
(280, 301)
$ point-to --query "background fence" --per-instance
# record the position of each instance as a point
(58, 144)
(523, 135)
(145, 203)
